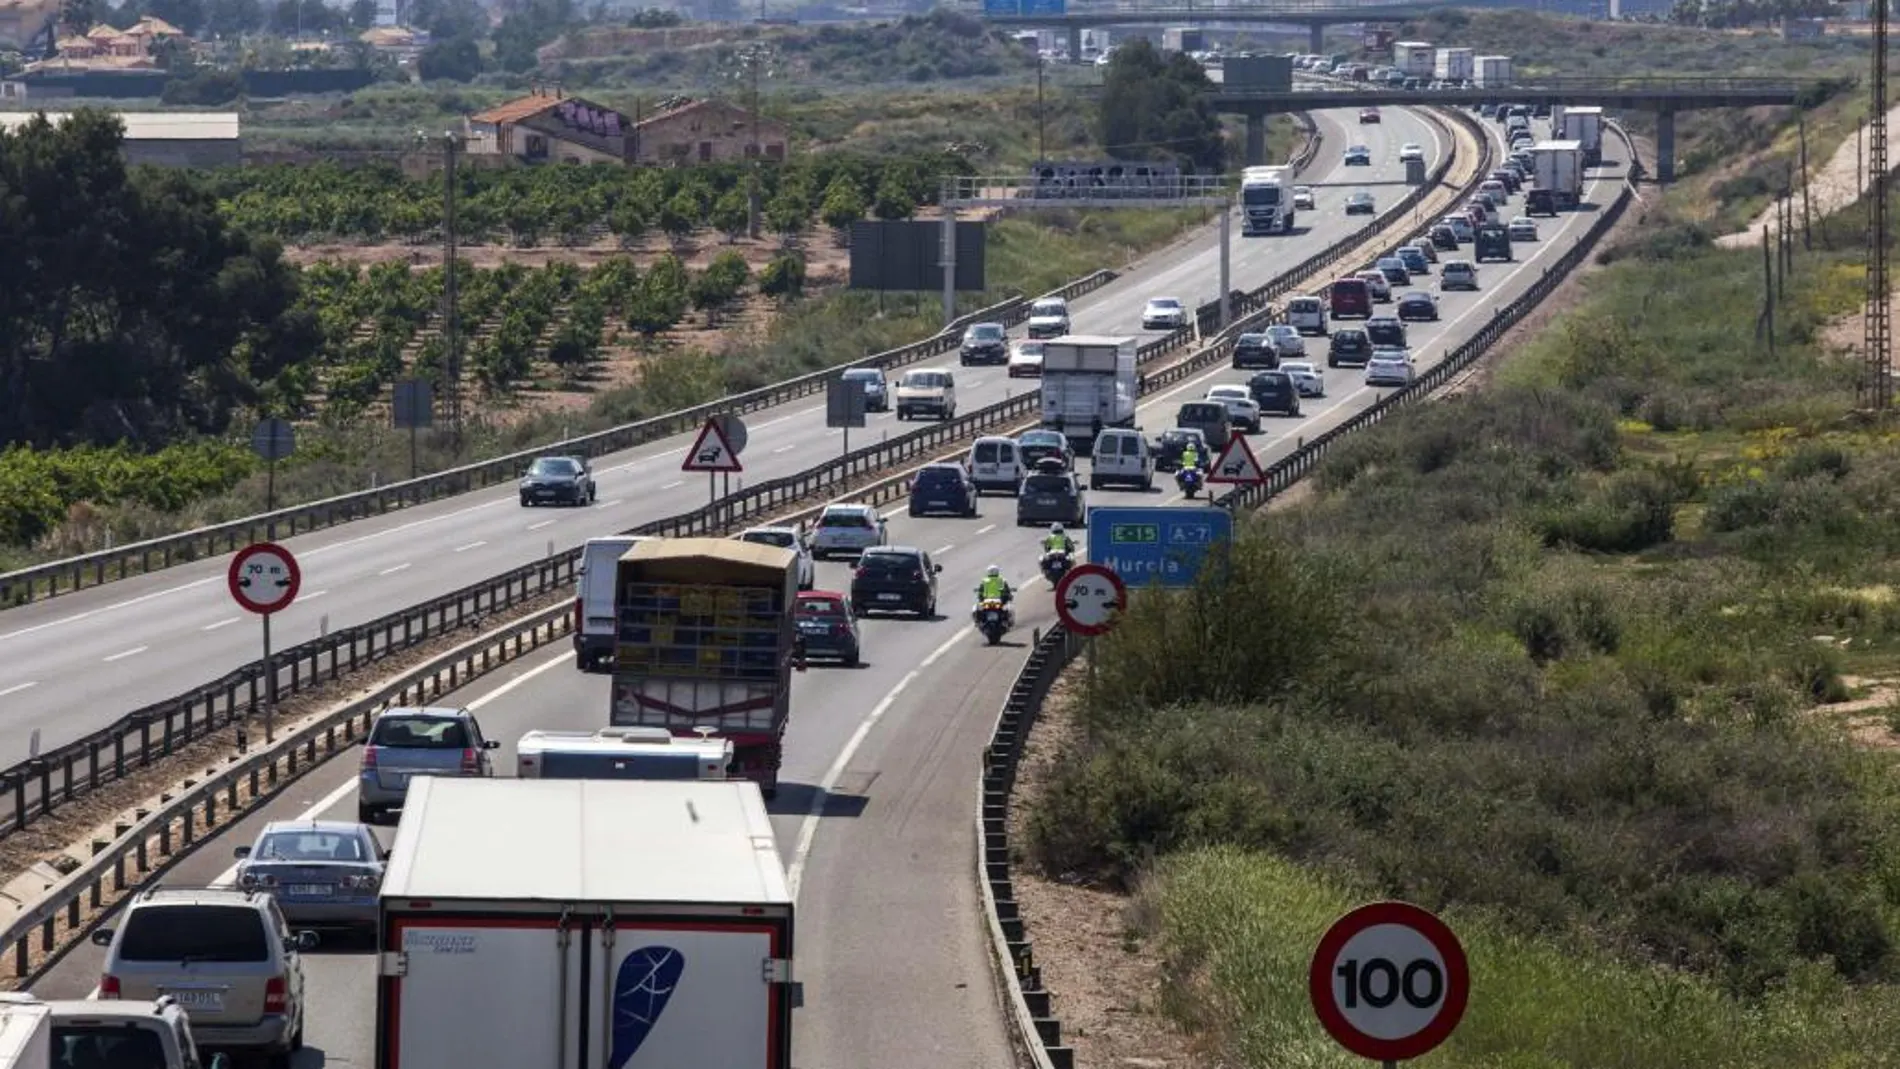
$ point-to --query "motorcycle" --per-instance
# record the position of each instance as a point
(1056, 564)
(1189, 480)
(992, 618)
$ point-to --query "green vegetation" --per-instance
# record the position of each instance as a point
(1152, 108)
(1556, 657)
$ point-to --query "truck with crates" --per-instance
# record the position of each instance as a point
(1414, 59)
(1453, 65)
(584, 924)
(1491, 72)
(621, 753)
(1556, 177)
(706, 640)
(1584, 126)
(1089, 383)
(1266, 200)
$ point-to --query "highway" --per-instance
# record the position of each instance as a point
(874, 815)
(71, 665)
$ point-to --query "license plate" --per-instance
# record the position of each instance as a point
(310, 889)
(890, 597)
(1045, 501)
(212, 1001)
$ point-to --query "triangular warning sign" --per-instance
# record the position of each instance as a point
(711, 451)
(1237, 464)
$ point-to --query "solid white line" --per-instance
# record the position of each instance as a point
(538, 526)
(18, 687)
(122, 654)
(808, 827)
(226, 622)
(392, 571)
(471, 545)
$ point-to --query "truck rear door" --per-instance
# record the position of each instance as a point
(478, 991)
(672, 995)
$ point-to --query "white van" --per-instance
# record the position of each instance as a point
(594, 623)
(1306, 314)
(996, 464)
(927, 391)
(1122, 456)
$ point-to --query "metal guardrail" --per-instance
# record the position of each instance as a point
(38, 786)
(1027, 997)
(93, 569)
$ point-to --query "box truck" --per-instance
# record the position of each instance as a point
(1088, 383)
(26, 1035)
(1414, 59)
(1584, 126)
(1453, 65)
(621, 753)
(1266, 200)
(1556, 177)
(707, 640)
(1183, 39)
(594, 624)
(1490, 72)
(584, 924)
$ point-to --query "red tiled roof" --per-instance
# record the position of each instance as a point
(516, 110)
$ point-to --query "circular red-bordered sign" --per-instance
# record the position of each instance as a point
(1089, 597)
(264, 578)
(1389, 981)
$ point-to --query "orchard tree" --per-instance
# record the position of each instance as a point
(896, 194)
(844, 205)
(731, 213)
(789, 213)
(679, 216)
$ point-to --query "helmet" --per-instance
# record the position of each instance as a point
(1055, 528)
(993, 571)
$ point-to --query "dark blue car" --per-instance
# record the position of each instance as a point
(943, 488)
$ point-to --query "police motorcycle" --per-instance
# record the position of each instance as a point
(1058, 555)
(992, 616)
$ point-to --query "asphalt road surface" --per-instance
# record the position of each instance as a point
(74, 664)
(874, 816)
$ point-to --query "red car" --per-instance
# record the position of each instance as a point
(827, 627)
(1368, 115)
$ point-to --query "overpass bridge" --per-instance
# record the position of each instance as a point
(1315, 15)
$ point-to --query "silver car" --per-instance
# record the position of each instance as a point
(786, 538)
(1389, 367)
(1287, 341)
(1307, 377)
(405, 743)
(847, 530)
(323, 873)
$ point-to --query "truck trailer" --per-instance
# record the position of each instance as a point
(707, 640)
(1266, 200)
(1556, 176)
(621, 753)
(1414, 59)
(1088, 383)
(1491, 72)
(26, 1035)
(1453, 65)
(584, 924)
(1584, 126)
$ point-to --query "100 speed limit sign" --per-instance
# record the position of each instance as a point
(1389, 981)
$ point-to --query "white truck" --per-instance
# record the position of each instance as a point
(26, 1035)
(1556, 177)
(584, 924)
(1414, 59)
(622, 753)
(1088, 384)
(1584, 126)
(1453, 65)
(1266, 202)
(1490, 72)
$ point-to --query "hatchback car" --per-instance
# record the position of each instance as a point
(1050, 497)
(1242, 410)
(1384, 331)
(1307, 377)
(1523, 229)
(1358, 156)
(984, 343)
(1444, 238)
(1394, 271)
(1163, 313)
(877, 389)
(942, 488)
(844, 530)
(1361, 203)
(1025, 360)
(1509, 177)
(1368, 115)
(405, 743)
(1275, 392)
(828, 628)
(1349, 347)
(1380, 286)
(1418, 307)
(1414, 259)
(1034, 447)
(1458, 275)
(1255, 350)
(787, 538)
(1411, 151)
(895, 579)
(1389, 367)
(558, 481)
(1303, 198)
(1173, 442)
(1461, 227)
(323, 873)
(226, 957)
(1286, 340)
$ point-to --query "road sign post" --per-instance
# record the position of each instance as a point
(1389, 982)
(412, 405)
(845, 405)
(264, 579)
(712, 453)
(736, 434)
(1156, 545)
(1089, 599)
(273, 439)
(1237, 465)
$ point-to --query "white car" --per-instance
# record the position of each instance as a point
(1389, 367)
(846, 531)
(1286, 340)
(1457, 275)
(1523, 229)
(1163, 313)
(1048, 318)
(1025, 360)
(1460, 227)
(1242, 410)
(1411, 151)
(1303, 197)
(786, 538)
(1306, 377)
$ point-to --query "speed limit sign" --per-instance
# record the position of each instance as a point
(1389, 981)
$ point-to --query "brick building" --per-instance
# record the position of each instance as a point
(550, 126)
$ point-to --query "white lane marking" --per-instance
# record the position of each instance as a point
(671, 485)
(808, 827)
(783, 449)
(226, 622)
(471, 545)
(18, 687)
(312, 596)
(392, 571)
(610, 504)
(986, 529)
(538, 526)
(941, 550)
(123, 654)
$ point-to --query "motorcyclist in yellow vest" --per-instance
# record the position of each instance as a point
(1058, 541)
(993, 587)
(1190, 457)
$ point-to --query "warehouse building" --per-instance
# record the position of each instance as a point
(166, 138)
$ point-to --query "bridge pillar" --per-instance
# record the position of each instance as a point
(1316, 38)
(1075, 44)
(1665, 146)
(1256, 140)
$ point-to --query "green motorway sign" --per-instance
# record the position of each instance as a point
(1134, 534)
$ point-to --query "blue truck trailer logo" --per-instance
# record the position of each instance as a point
(645, 984)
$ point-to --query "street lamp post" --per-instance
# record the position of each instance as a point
(1042, 151)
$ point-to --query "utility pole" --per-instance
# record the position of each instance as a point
(1876, 382)
(451, 143)
(753, 58)
(1042, 148)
